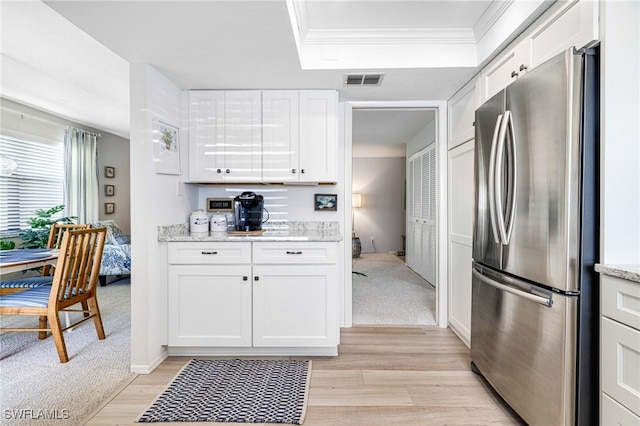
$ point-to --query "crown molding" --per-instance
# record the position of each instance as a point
(490, 16)
(392, 36)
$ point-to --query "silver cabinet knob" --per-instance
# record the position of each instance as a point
(523, 67)
(302, 171)
(228, 171)
(514, 74)
(219, 170)
(293, 170)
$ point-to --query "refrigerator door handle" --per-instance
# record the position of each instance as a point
(529, 296)
(502, 228)
(513, 175)
(492, 179)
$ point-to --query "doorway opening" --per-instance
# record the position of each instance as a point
(394, 244)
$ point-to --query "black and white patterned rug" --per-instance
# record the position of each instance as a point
(239, 391)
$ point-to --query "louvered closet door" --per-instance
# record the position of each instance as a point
(409, 242)
(431, 216)
(414, 245)
(421, 212)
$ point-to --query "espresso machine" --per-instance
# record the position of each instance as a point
(248, 208)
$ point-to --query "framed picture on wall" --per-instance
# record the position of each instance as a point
(326, 202)
(109, 172)
(166, 148)
(109, 190)
(109, 208)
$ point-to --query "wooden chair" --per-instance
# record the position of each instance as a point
(74, 282)
(46, 277)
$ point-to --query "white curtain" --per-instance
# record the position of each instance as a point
(81, 175)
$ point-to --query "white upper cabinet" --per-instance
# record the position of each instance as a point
(263, 136)
(564, 25)
(225, 136)
(206, 135)
(576, 25)
(280, 135)
(504, 69)
(318, 135)
(462, 107)
(243, 136)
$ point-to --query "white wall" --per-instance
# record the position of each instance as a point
(422, 139)
(620, 132)
(154, 202)
(113, 151)
(381, 181)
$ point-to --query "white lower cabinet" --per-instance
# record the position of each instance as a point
(209, 305)
(620, 351)
(294, 305)
(254, 296)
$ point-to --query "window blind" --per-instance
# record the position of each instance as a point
(36, 184)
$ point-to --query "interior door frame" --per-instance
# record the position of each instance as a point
(441, 284)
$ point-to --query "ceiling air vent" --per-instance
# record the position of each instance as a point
(363, 79)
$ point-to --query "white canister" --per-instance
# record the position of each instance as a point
(218, 223)
(198, 221)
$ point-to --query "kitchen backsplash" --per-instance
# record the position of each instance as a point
(284, 203)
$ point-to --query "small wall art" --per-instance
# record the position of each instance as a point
(109, 172)
(109, 208)
(166, 148)
(109, 190)
(326, 202)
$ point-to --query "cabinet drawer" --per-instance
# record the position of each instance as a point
(621, 364)
(207, 253)
(621, 300)
(295, 253)
(615, 414)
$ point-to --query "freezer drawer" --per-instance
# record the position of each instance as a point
(523, 342)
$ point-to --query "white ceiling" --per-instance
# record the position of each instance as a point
(71, 57)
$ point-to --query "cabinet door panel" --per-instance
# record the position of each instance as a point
(621, 363)
(318, 135)
(206, 135)
(292, 252)
(462, 109)
(209, 306)
(280, 138)
(577, 25)
(243, 136)
(295, 306)
(208, 253)
(460, 214)
(499, 73)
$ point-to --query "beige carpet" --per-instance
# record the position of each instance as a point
(391, 293)
(36, 389)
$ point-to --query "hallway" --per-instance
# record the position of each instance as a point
(389, 293)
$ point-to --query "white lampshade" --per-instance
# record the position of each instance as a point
(356, 200)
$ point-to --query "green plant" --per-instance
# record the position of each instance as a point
(7, 244)
(38, 235)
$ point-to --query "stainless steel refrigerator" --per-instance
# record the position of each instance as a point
(534, 321)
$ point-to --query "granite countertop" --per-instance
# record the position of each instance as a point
(628, 272)
(286, 231)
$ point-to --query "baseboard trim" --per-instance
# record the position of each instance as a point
(147, 369)
(457, 330)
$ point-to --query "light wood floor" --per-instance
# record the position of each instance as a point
(383, 376)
